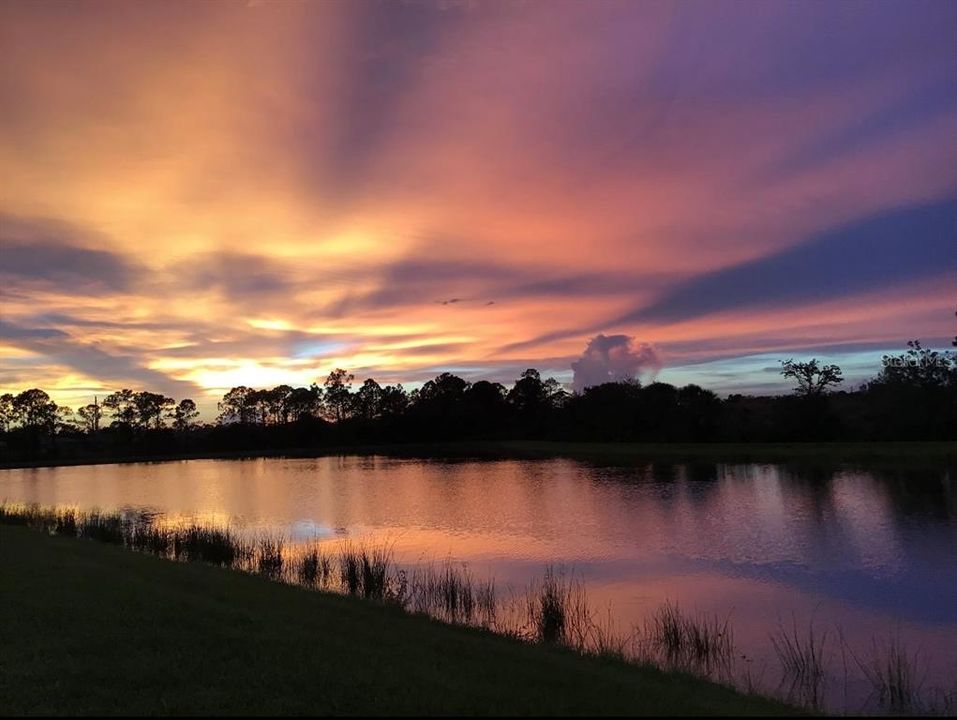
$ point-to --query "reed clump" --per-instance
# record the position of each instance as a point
(313, 568)
(801, 654)
(694, 642)
(213, 545)
(803, 662)
(451, 593)
(895, 674)
(269, 557)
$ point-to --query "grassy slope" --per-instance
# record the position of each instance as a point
(90, 628)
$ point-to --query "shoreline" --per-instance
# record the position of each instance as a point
(835, 452)
(197, 637)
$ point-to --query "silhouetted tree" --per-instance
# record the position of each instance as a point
(184, 415)
(811, 377)
(658, 410)
(393, 401)
(90, 416)
(33, 409)
(151, 408)
(277, 402)
(304, 402)
(914, 395)
(337, 395)
(238, 405)
(698, 412)
(609, 411)
(917, 367)
(7, 414)
(367, 401)
(65, 420)
(122, 406)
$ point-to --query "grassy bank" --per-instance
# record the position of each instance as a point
(90, 628)
(894, 453)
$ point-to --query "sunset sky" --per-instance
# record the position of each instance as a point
(195, 196)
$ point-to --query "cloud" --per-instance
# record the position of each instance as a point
(613, 358)
(876, 253)
(238, 276)
(90, 360)
(60, 255)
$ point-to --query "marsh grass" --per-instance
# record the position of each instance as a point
(269, 557)
(451, 593)
(691, 642)
(104, 527)
(607, 638)
(369, 571)
(549, 604)
(313, 568)
(376, 566)
(65, 523)
(350, 569)
(208, 544)
(801, 655)
(896, 675)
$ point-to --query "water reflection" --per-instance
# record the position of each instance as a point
(867, 551)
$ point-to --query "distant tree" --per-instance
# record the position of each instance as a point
(122, 407)
(698, 413)
(532, 395)
(277, 403)
(658, 411)
(304, 402)
(488, 395)
(918, 367)
(445, 389)
(610, 411)
(238, 405)
(151, 408)
(914, 396)
(337, 395)
(90, 416)
(34, 410)
(367, 402)
(7, 414)
(184, 415)
(65, 420)
(393, 401)
(813, 379)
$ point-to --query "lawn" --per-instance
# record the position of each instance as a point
(91, 628)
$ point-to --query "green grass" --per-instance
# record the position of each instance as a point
(92, 628)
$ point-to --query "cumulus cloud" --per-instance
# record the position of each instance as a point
(613, 358)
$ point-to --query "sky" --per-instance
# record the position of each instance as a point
(196, 196)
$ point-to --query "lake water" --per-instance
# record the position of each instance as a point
(871, 556)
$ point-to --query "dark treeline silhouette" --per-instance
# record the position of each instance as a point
(913, 397)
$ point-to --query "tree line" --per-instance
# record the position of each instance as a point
(913, 397)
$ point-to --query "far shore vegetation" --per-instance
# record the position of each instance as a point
(913, 399)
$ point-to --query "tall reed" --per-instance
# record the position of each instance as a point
(895, 674)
